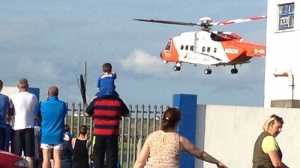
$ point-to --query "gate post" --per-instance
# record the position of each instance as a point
(187, 104)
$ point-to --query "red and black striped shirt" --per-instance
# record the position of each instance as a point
(107, 112)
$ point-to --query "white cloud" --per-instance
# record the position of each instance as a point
(143, 63)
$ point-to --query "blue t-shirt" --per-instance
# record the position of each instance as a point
(4, 107)
(53, 112)
(106, 84)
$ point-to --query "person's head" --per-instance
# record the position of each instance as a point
(107, 67)
(23, 84)
(53, 91)
(83, 130)
(273, 125)
(1, 85)
(170, 119)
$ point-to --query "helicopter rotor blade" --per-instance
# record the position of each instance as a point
(168, 22)
(234, 21)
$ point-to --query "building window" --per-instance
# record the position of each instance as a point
(286, 16)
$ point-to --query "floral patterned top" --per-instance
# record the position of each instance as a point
(164, 150)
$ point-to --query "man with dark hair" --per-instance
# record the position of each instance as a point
(4, 127)
(25, 106)
(52, 112)
(106, 112)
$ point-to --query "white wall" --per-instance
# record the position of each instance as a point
(9, 91)
(282, 54)
(229, 133)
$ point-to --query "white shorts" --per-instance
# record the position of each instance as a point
(52, 146)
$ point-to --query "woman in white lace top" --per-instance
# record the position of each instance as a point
(162, 148)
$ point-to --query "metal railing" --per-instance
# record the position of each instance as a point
(143, 119)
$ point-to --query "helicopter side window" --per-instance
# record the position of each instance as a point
(215, 50)
(208, 49)
(203, 49)
(181, 47)
(192, 48)
(186, 47)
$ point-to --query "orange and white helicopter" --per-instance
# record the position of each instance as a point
(209, 48)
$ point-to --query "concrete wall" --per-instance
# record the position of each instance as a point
(229, 133)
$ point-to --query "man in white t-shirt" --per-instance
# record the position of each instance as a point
(25, 107)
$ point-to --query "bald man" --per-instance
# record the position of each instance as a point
(52, 112)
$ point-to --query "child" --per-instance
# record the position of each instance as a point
(67, 150)
(80, 149)
(106, 82)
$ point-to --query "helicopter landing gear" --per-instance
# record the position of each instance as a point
(177, 67)
(234, 70)
(207, 71)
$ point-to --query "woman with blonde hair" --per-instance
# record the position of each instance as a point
(162, 148)
(267, 153)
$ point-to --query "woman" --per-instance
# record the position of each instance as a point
(162, 148)
(80, 149)
(267, 153)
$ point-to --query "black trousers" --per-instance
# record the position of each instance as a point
(24, 141)
(106, 146)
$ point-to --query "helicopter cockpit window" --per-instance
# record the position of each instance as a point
(186, 47)
(217, 37)
(192, 48)
(181, 47)
(168, 46)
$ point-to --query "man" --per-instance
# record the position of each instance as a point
(106, 112)
(52, 113)
(4, 128)
(25, 106)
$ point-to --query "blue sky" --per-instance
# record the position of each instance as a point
(48, 41)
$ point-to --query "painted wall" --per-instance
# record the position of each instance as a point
(9, 91)
(229, 133)
(282, 54)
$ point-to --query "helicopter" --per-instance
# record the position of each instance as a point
(209, 48)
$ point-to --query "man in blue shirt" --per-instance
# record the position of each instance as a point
(52, 113)
(4, 128)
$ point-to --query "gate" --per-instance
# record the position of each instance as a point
(142, 120)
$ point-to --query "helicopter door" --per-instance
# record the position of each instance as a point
(196, 41)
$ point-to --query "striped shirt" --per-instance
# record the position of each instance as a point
(107, 112)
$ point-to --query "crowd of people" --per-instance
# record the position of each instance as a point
(23, 112)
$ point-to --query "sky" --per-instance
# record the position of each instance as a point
(48, 42)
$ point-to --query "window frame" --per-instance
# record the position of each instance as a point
(286, 16)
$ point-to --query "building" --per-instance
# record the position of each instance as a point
(282, 71)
